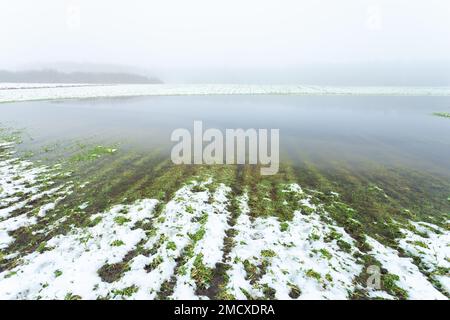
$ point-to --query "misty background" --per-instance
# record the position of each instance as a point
(322, 42)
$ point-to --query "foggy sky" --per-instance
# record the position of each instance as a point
(239, 39)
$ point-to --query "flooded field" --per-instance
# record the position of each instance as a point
(91, 207)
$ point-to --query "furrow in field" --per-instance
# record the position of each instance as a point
(174, 237)
(68, 265)
(206, 248)
(291, 259)
(261, 239)
(409, 282)
(27, 194)
(429, 246)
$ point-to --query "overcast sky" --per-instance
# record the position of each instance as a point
(172, 35)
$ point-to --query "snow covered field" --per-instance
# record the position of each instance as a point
(28, 92)
(15, 85)
(149, 249)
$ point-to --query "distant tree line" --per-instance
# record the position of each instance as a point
(53, 76)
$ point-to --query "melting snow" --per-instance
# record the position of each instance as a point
(411, 279)
(71, 263)
(432, 248)
(301, 259)
(297, 257)
(24, 92)
(20, 184)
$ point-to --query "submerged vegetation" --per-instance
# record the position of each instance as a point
(442, 114)
(99, 222)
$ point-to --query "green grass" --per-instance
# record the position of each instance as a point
(117, 243)
(125, 292)
(295, 291)
(344, 246)
(420, 244)
(268, 253)
(442, 114)
(92, 153)
(120, 220)
(42, 247)
(284, 226)
(201, 274)
(10, 274)
(389, 283)
(155, 263)
(325, 253)
(313, 274)
(189, 209)
(171, 246)
(198, 235)
(70, 296)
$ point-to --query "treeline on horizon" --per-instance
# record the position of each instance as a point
(53, 76)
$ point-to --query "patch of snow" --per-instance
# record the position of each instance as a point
(43, 210)
(21, 183)
(379, 294)
(297, 257)
(19, 85)
(71, 262)
(432, 250)
(48, 92)
(411, 279)
(173, 230)
(210, 246)
(83, 206)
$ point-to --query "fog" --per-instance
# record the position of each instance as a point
(279, 41)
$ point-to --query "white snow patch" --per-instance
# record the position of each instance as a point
(432, 250)
(47, 92)
(43, 210)
(411, 279)
(70, 265)
(300, 252)
(210, 246)
(21, 183)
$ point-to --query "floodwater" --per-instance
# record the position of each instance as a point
(384, 130)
